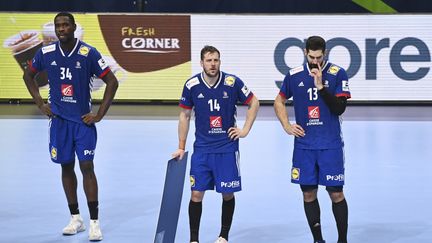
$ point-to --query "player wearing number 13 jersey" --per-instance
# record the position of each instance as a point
(213, 96)
(320, 91)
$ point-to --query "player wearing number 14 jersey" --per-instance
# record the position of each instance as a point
(213, 96)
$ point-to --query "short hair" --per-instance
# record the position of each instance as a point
(315, 43)
(71, 17)
(210, 49)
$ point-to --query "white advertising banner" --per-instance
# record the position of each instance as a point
(387, 57)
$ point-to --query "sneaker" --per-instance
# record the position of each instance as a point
(221, 240)
(95, 233)
(76, 224)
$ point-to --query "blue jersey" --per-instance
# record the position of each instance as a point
(215, 110)
(322, 128)
(70, 77)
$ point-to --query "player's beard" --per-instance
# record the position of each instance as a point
(207, 72)
(314, 65)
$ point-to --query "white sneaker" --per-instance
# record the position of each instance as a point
(221, 240)
(95, 233)
(76, 224)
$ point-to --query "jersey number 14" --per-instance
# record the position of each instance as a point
(214, 105)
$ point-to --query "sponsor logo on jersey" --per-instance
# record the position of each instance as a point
(192, 82)
(215, 121)
(296, 70)
(192, 180)
(333, 70)
(345, 86)
(67, 92)
(89, 152)
(340, 177)
(295, 173)
(229, 81)
(53, 63)
(314, 116)
(200, 96)
(102, 64)
(53, 153)
(301, 84)
(84, 51)
(49, 48)
(230, 184)
(313, 112)
(67, 89)
(245, 90)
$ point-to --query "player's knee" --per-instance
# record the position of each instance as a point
(336, 194)
(309, 192)
(197, 196)
(87, 168)
(227, 196)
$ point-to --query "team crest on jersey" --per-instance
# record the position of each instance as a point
(225, 95)
(229, 81)
(192, 180)
(49, 48)
(84, 51)
(78, 65)
(333, 70)
(192, 82)
(296, 70)
(53, 153)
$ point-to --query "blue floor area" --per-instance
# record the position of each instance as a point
(388, 164)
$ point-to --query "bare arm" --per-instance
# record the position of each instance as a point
(183, 129)
(236, 133)
(282, 115)
(110, 90)
(33, 89)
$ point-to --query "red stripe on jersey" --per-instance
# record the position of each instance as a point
(344, 95)
(104, 73)
(249, 99)
(282, 94)
(185, 107)
(34, 70)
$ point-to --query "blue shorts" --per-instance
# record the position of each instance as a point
(318, 167)
(68, 137)
(215, 169)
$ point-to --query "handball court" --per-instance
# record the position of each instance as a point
(388, 152)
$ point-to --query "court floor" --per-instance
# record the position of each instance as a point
(388, 163)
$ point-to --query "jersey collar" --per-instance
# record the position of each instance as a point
(216, 84)
(73, 50)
